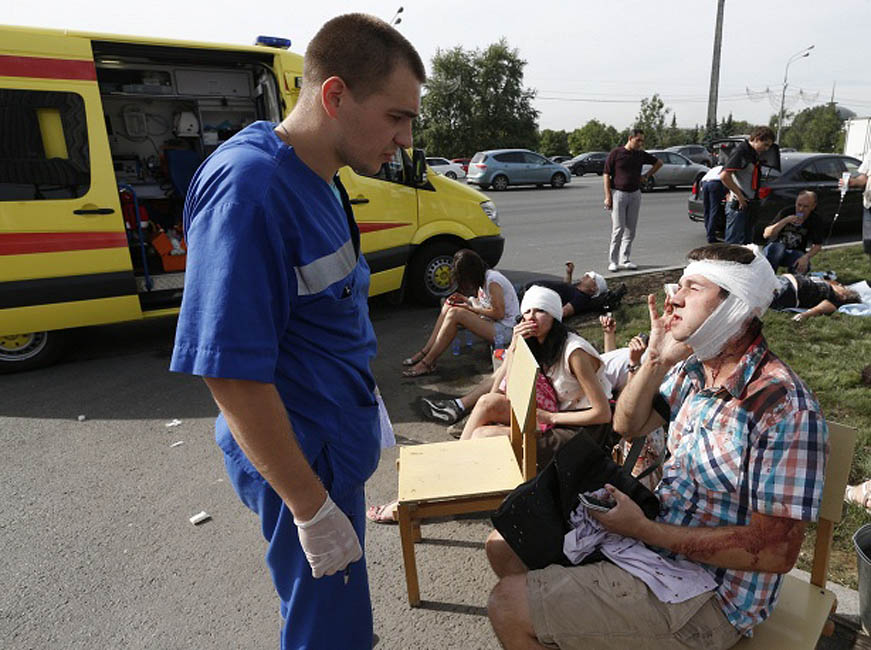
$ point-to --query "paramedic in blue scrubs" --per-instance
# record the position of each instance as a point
(275, 319)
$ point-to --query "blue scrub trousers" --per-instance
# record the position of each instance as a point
(324, 614)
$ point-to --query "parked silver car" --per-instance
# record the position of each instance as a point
(695, 152)
(500, 168)
(676, 170)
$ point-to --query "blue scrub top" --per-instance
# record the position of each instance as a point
(276, 292)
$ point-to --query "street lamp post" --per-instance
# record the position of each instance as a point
(798, 55)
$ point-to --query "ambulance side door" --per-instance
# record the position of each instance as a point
(64, 257)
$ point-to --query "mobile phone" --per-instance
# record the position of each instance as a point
(593, 503)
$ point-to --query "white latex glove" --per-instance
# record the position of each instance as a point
(329, 540)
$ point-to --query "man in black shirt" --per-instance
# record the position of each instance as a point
(741, 175)
(586, 295)
(791, 231)
(622, 181)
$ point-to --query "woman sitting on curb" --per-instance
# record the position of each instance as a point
(569, 363)
(573, 367)
(491, 314)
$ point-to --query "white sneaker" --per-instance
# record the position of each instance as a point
(629, 266)
(612, 267)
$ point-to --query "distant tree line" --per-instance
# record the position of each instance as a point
(475, 100)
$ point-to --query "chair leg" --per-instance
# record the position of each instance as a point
(406, 535)
(415, 526)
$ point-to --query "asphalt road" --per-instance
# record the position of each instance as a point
(94, 534)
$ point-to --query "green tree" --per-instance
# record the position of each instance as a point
(651, 118)
(553, 143)
(817, 128)
(474, 100)
(593, 136)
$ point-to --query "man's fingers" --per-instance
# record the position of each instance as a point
(652, 308)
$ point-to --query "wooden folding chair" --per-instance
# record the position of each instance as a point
(451, 478)
(802, 611)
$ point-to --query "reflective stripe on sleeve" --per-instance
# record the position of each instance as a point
(316, 276)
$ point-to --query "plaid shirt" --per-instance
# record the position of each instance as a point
(758, 443)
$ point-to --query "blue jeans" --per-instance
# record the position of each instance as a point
(779, 255)
(712, 197)
(737, 224)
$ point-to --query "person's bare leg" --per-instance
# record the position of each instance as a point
(508, 610)
(503, 560)
(454, 317)
(435, 328)
(492, 407)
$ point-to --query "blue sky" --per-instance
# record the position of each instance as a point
(586, 59)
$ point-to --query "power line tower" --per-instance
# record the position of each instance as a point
(715, 69)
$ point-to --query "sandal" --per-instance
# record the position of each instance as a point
(414, 360)
(860, 495)
(424, 369)
(383, 514)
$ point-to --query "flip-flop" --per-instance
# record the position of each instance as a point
(427, 370)
(382, 514)
(414, 360)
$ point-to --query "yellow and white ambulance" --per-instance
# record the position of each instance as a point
(99, 138)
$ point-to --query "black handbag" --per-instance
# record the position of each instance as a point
(534, 518)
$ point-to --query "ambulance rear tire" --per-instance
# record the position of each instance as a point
(20, 352)
(430, 272)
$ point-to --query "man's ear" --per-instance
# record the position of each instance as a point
(334, 91)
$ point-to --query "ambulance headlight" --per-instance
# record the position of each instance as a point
(489, 209)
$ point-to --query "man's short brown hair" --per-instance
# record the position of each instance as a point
(362, 50)
(762, 133)
(722, 253)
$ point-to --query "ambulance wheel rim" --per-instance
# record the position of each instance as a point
(439, 277)
(21, 347)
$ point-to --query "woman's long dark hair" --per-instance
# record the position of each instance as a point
(549, 352)
(469, 271)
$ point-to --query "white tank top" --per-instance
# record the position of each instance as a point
(512, 306)
(568, 391)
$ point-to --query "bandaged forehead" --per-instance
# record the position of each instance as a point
(753, 284)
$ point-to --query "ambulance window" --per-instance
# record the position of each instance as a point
(393, 171)
(43, 146)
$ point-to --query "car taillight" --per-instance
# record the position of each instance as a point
(695, 189)
(764, 192)
(481, 165)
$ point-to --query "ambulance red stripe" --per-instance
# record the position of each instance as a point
(24, 243)
(43, 68)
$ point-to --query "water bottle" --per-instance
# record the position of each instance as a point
(470, 339)
(845, 178)
(498, 344)
(456, 346)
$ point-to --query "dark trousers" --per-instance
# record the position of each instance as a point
(779, 255)
(712, 197)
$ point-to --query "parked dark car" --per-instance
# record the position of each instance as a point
(695, 152)
(560, 159)
(591, 162)
(778, 189)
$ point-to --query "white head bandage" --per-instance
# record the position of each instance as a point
(601, 284)
(547, 300)
(751, 288)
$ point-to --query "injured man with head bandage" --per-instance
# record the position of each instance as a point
(748, 451)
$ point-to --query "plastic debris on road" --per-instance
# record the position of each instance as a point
(173, 423)
(200, 517)
(81, 418)
(177, 443)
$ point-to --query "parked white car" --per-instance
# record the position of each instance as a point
(446, 168)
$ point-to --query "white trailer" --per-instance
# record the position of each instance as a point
(858, 140)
